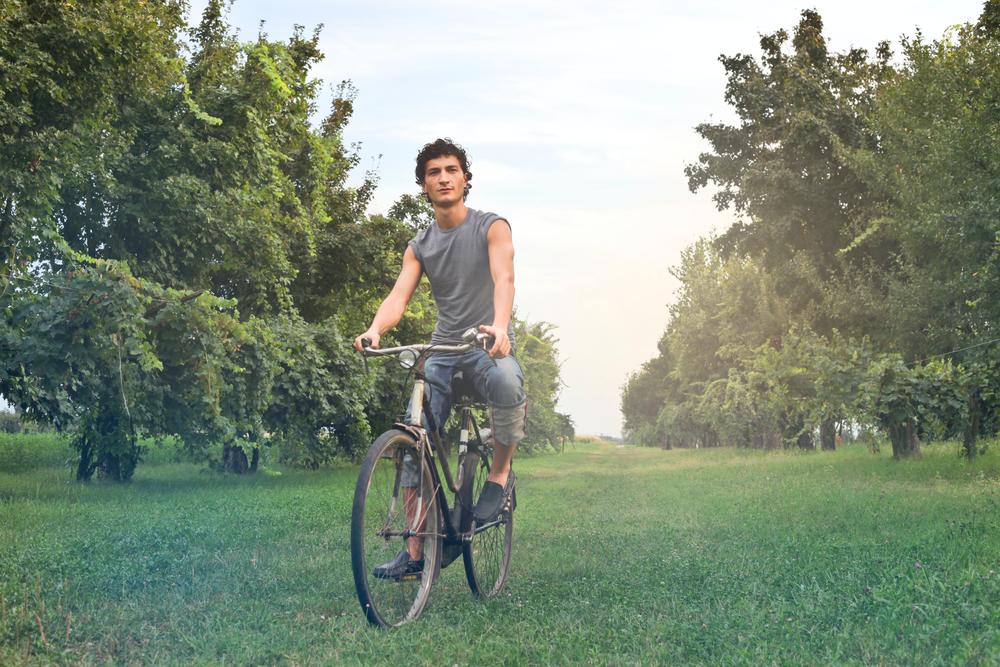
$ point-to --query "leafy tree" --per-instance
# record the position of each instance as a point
(106, 357)
(785, 169)
(68, 69)
(537, 354)
(146, 178)
(866, 203)
(643, 396)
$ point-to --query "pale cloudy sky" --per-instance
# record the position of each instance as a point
(578, 116)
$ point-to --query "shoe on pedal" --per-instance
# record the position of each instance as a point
(492, 499)
(400, 568)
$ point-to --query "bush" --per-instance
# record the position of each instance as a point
(10, 423)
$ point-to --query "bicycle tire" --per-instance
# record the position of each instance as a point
(487, 554)
(377, 523)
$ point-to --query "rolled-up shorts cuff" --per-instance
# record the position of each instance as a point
(508, 423)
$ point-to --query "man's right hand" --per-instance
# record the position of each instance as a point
(373, 336)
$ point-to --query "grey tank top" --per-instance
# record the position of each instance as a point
(457, 263)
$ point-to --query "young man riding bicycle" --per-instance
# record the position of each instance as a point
(468, 256)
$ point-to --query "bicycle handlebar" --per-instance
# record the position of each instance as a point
(473, 338)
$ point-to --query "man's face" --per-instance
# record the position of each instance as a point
(444, 180)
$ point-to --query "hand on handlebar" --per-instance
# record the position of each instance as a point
(501, 343)
(370, 337)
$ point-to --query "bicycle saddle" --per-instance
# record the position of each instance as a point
(463, 391)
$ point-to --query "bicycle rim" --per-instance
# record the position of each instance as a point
(377, 526)
(487, 555)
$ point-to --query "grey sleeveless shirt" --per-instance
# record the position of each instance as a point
(457, 263)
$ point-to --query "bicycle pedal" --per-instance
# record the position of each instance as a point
(411, 577)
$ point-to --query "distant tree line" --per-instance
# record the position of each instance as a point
(182, 253)
(860, 283)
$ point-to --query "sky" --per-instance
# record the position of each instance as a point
(579, 118)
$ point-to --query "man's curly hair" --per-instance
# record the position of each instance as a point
(443, 148)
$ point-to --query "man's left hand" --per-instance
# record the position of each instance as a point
(501, 344)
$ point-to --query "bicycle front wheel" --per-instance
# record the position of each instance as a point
(487, 554)
(394, 504)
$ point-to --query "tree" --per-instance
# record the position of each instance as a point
(106, 357)
(199, 215)
(786, 168)
(539, 360)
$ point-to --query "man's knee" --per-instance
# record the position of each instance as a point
(508, 423)
(505, 384)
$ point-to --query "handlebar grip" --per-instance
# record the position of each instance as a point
(484, 341)
(366, 343)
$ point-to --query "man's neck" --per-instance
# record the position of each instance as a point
(451, 216)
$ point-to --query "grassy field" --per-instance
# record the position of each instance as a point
(621, 556)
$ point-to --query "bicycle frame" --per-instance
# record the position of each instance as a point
(456, 529)
(414, 500)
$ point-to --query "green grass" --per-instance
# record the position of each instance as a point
(621, 556)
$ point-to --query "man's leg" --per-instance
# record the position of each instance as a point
(437, 387)
(409, 560)
(508, 425)
(502, 384)
(414, 545)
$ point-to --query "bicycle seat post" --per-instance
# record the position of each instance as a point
(417, 396)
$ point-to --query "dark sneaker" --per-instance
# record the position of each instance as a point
(492, 499)
(400, 568)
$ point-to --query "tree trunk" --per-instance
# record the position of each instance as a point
(805, 440)
(803, 436)
(85, 468)
(6, 224)
(256, 459)
(102, 451)
(117, 467)
(971, 433)
(828, 434)
(234, 459)
(904, 440)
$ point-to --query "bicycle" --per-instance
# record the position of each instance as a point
(381, 520)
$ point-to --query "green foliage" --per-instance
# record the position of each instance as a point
(10, 423)
(319, 394)
(865, 253)
(105, 357)
(785, 168)
(69, 69)
(195, 252)
(538, 357)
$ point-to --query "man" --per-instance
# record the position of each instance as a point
(468, 256)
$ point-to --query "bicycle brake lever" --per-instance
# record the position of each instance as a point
(365, 344)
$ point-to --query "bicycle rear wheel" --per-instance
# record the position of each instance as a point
(487, 555)
(379, 527)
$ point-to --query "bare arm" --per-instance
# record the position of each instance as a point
(500, 246)
(394, 305)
